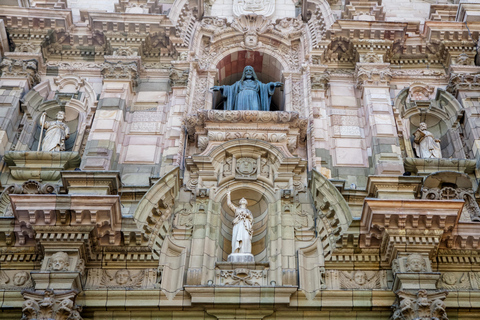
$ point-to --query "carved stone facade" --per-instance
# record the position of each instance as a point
(129, 219)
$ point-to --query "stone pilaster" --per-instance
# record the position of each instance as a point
(373, 80)
(119, 79)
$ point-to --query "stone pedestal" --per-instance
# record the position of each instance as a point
(241, 258)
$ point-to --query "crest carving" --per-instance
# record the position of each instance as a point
(259, 7)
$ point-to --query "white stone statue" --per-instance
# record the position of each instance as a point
(242, 227)
(425, 144)
(57, 133)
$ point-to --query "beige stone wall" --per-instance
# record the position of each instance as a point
(131, 220)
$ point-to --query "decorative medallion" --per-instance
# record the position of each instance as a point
(246, 168)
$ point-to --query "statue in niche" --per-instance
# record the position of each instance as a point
(242, 227)
(56, 134)
(425, 144)
(248, 93)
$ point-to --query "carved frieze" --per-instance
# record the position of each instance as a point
(359, 279)
(454, 281)
(121, 278)
(15, 280)
(241, 277)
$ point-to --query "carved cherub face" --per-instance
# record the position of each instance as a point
(122, 276)
(415, 263)
(20, 278)
(59, 261)
(449, 278)
(251, 40)
(360, 278)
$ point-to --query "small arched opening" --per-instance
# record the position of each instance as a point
(267, 69)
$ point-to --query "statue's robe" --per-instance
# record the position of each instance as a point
(57, 132)
(248, 95)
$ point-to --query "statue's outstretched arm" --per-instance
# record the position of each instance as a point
(229, 202)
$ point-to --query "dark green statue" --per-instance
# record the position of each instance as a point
(248, 93)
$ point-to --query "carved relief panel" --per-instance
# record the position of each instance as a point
(121, 278)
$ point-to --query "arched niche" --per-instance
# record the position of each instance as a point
(72, 120)
(258, 204)
(441, 112)
(267, 68)
(70, 94)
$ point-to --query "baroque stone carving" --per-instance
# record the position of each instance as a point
(454, 281)
(50, 306)
(463, 59)
(122, 278)
(414, 262)
(241, 277)
(377, 75)
(251, 25)
(259, 7)
(15, 280)
(471, 209)
(27, 47)
(59, 261)
(178, 78)
(120, 70)
(422, 305)
(246, 168)
(20, 69)
(361, 279)
(320, 81)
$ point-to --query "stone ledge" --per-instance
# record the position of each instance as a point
(40, 165)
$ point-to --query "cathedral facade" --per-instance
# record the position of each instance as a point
(239, 159)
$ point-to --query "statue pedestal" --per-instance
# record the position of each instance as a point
(241, 258)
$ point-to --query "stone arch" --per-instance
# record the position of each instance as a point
(333, 214)
(155, 208)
